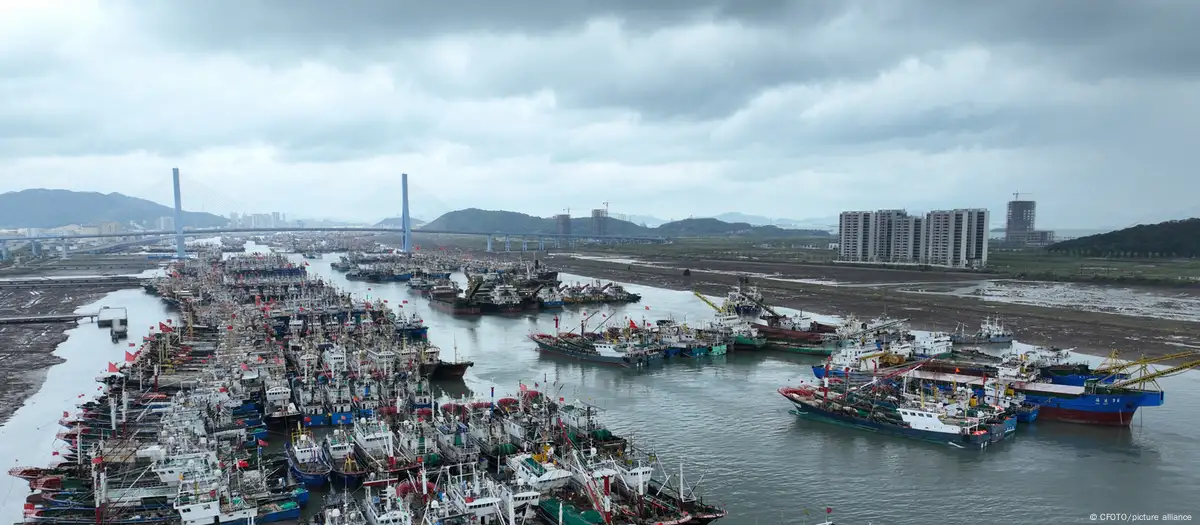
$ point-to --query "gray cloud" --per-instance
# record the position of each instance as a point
(703, 106)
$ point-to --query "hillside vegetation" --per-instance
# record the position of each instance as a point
(1167, 239)
(43, 208)
(489, 221)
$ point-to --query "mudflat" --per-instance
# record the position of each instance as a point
(27, 350)
(868, 292)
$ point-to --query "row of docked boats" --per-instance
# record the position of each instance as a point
(182, 430)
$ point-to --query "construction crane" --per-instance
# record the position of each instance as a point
(1153, 376)
(1017, 195)
(709, 303)
(1119, 367)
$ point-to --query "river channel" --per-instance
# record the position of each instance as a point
(723, 418)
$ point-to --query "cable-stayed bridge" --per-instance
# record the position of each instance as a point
(540, 240)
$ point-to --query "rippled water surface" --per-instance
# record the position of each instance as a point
(724, 418)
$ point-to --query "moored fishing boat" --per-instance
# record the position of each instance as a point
(578, 347)
(307, 460)
(991, 331)
(345, 468)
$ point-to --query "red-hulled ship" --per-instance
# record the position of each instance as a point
(794, 328)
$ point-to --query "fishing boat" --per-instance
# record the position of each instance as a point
(449, 370)
(578, 347)
(388, 506)
(991, 331)
(307, 460)
(345, 468)
(869, 408)
(539, 470)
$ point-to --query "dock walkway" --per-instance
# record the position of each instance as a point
(70, 282)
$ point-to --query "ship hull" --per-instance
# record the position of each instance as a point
(1116, 409)
(446, 370)
(489, 308)
(976, 340)
(309, 477)
(826, 416)
(454, 308)
(416, 334)
(793, 347)
(790, 335)
(625, 360)
(315, 420)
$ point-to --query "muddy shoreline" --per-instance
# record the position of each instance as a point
(27, 350)
(1088, 332)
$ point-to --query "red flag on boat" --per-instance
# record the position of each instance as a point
(632, 325)
(130, 357)
(402, 302)
(112, 368)
(131, 345)
(262, 443)
(164, 328)
(168, 321)
(97, 460)
(647, 307)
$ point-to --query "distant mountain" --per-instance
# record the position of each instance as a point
(43, 208)
(398, 222)
(719, 228)
(823, 223)
(488, 221)
(1166, 239)
(645, 220)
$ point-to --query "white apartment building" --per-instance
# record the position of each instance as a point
(854, 236)
(956, 238)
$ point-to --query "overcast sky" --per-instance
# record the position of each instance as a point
(665, 108)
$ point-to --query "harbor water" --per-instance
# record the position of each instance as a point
(722, 417)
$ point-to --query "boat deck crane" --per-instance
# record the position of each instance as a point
(1153, 376)
(1118, 367)
(709, 303)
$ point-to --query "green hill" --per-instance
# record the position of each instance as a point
(1167, 239)
(43, 208)
(489, 221)
(398, 222)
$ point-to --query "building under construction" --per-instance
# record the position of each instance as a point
(600, 222)
(1019, 224)
(563, 222)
